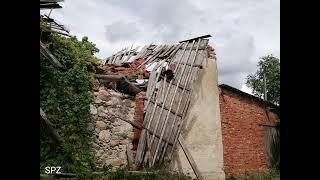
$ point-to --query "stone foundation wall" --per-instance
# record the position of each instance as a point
(112, 135)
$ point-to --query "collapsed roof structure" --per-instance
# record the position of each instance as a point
(170, 92)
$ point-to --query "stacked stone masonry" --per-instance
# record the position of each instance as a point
(112, 135)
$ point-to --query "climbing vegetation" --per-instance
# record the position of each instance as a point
(65, 97)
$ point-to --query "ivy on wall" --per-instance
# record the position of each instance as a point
(65, 97)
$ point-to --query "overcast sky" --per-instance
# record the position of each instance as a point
(242, 30)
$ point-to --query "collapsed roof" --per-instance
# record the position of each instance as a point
(173, 69)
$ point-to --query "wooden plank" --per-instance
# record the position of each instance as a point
(55, 135)
(175, 50)
(169, 56)
(190, 158)
(166, 108)
(183, 119)
(148, 121)
(151, 84)
(172, 100)
(143, 138)
(164, 102)
(152, 87)
(152, 57)
(156, 52)
(130, 158)
(203, 45)
(49, 56)
(200, 37)
(131, 87)
(188, 79)
(166, 52)
(142, 51)
(195, 65)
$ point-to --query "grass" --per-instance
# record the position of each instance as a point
(272, 175)
(123, 174)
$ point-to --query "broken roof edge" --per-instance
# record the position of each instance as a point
(275, 108)
(195, 38)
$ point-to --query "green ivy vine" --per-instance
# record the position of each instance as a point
(65, 97)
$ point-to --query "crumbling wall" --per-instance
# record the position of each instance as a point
(244, 134)
(112, 135)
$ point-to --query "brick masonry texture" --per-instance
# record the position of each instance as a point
(133, 70)
(243, 134)
(138, 118)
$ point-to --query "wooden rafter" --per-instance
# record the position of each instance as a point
(45, 52)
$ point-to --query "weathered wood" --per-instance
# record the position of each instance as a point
(194, 65)
(182, 120)
(49, 56)
(188, 78)
(131, 87)
(152, 57)
(151, 83)
(200, 37)
(190, 158)
(152, 86)
(144, 138)
(164, 127)
(166, 108)
(64, 34)
(164, 102)
(176, 84)
(55, 136)
(129, 157)
(166, 52)
(175, 50)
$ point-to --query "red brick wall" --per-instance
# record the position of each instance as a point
(242, 134)
(138, 118)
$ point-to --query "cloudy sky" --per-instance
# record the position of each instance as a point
(242, 30)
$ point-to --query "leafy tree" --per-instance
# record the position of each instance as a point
(65, 96)
(270, 65)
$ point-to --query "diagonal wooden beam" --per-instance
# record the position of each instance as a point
(44, 51)
(190, 158)
(200, 37)
(56, 137)
(111, 77)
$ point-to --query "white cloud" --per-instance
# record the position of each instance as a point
(242, 30)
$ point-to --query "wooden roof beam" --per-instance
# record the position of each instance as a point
(199, 37)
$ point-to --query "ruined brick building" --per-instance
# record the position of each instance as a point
(198, 127)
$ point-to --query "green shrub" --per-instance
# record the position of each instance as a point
(65, 97)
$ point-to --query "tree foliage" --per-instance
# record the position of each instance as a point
(65, 96)
(271, 66)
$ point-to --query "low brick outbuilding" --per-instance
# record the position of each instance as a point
(247, 124)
